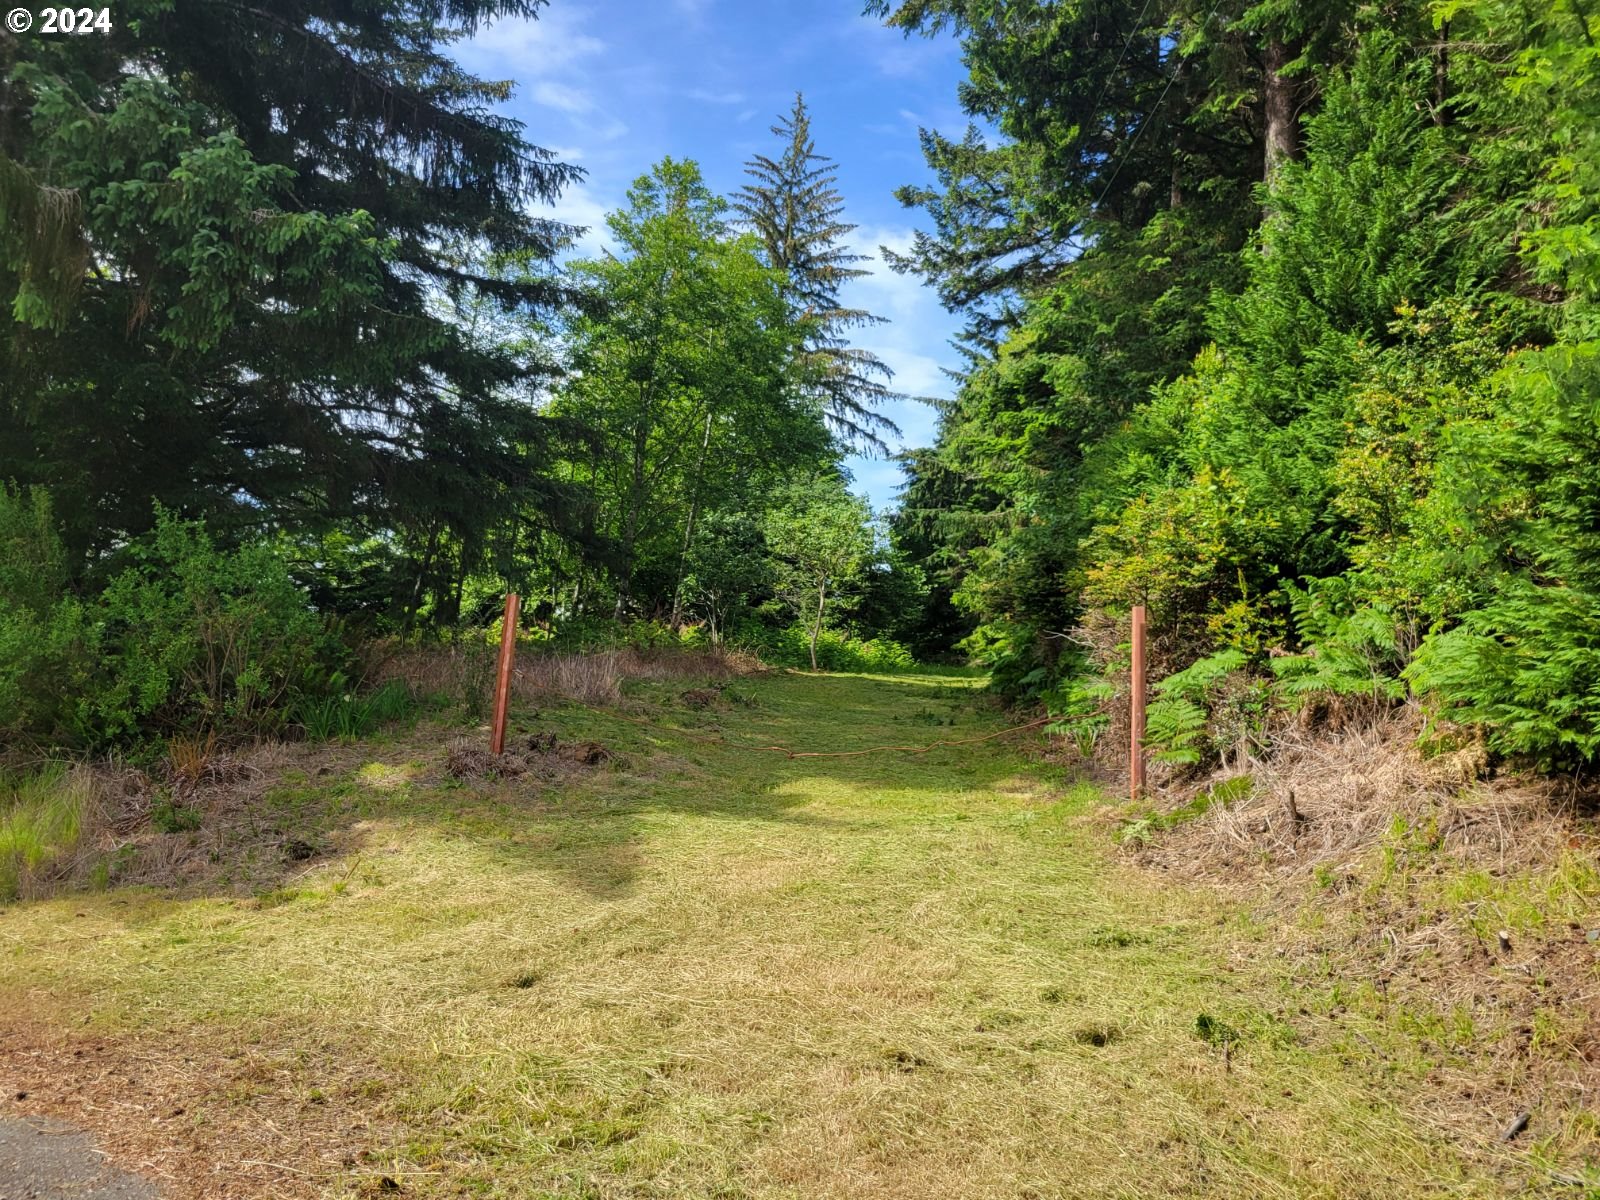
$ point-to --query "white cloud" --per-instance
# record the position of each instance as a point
(559, 95)
(907, 58)
(528, 46)
(580, 206)
(705, 96)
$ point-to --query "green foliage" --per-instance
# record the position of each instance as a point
(683, 375)
(168, 815)
(792, 646)
(1411, 552)
(198, 637)
(727, 564)
(48, 640)
(1353, 650)
(345, 715)
(42, 817)
(1186, 724)
(1079, 706)
(234, 255)
(821, 537)
(1526, 664)
(184, 636)
(1398, 404)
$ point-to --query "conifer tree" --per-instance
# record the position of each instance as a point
(231, 240)
(796, 210)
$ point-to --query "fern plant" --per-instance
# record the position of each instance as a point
(1079, 708)
(1178, 722)
(1353, 650)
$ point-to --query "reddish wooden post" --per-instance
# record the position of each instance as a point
(1136, 723)
(502, 683)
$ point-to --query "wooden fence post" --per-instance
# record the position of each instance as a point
(1136, 686)
(502, 683)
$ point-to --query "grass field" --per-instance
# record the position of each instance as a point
(697, 970)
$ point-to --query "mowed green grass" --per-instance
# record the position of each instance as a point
(710, 971)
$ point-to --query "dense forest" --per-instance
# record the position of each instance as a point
(1282, 323)
(1280, 320)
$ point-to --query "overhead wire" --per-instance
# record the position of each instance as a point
(1151, 115)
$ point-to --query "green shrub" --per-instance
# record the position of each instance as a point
(1011, 652)
(790, 646)
(1079, 708)
(1353, 650)
(1524, 665)
(1203, 709)
(346, 716)
(47, 639)
(197, 637)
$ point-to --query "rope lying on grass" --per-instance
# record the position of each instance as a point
(787, 752)
(901, 749)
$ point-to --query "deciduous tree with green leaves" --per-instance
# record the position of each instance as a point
(821, 536)
(682, 370)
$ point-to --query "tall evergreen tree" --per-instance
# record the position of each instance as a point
(796, 210)
(227, 233)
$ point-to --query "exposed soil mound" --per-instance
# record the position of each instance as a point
(543, 755)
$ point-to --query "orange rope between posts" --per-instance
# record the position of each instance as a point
(784, 750)
(988, 737)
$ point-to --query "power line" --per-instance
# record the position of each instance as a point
(1132, 33)
(1151, 115)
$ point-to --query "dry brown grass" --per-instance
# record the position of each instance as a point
(459, 673)
(205, 1119)
(1438, 904)
(1327, 797)
(464, 673)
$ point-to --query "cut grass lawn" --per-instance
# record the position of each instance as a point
(701, 971)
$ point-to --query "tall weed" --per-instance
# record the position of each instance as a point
(43, 817)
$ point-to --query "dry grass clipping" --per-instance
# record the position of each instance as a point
(206, 1120)
(1431, 892)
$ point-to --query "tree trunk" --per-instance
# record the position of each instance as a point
(415, 603)
(1180, 142)
(816, 629)
(1282, 134)
(688, 529)
(630, 532)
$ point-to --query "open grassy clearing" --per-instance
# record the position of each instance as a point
(700, 970)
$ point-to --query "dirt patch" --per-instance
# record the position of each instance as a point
(543, 756)
(700, 699)
(212, 825)
(201, 1121)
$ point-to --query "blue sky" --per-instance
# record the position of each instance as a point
(615, 85)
